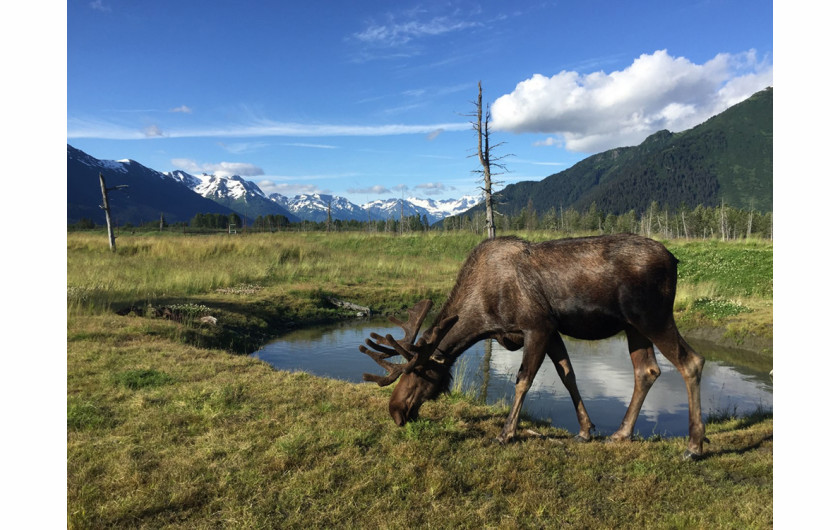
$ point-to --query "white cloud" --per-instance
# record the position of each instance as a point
(79, 128)
(394, 32)
(153, 131)
(242, 147)
(99, 5)
(311, 146)
(434, 134)
(598, 111)
(221, 169)
(377, 189)
(433, 188)
(183, 108)
(551, 140)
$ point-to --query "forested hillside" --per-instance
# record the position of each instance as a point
(728, 159)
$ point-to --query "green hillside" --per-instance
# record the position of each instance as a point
(728, 158)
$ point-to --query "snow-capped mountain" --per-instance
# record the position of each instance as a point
(432, 209)
(179, 196)
(247, 199)
(184, 178)
(446, 207)
(148, 195)
(240, 195)
(316, 206)
(211, 186)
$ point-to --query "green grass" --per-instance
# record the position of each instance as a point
(738, 269)
(135, 379)
(719, 309)
(297, 272)
(165, 428)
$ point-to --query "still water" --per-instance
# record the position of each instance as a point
(603, 369)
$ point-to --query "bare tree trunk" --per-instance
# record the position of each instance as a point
(749, 223)
(107, 207)
(329, 216)
(484, 156)
(771, 226)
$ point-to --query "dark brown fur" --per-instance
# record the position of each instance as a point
(527, 294)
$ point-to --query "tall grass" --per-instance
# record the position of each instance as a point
(150, 269)
(717, 280)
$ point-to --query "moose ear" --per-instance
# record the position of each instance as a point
(440, 330)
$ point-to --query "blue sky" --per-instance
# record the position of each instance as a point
(370, 99)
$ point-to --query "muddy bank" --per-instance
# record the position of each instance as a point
(718, 336)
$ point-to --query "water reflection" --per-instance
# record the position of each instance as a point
(603, 368)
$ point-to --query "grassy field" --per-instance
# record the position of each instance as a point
(165, 428)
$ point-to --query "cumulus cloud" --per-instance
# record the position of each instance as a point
(433, 188)
(153, 131)
(221, 169)
(551, 140)
(377, 189)
(599, 111)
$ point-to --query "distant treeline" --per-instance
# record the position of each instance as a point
(702, 222)
(723, 222)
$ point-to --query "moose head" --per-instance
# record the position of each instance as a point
(425, 372)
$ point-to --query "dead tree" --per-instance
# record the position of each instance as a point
(329, 215)
(488, 160)
(107, 207)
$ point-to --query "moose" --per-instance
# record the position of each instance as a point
(526, 295)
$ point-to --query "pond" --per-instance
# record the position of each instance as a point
(734, 382)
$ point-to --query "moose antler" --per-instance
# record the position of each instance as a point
(415, 354)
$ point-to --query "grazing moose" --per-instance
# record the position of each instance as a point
(527, 294)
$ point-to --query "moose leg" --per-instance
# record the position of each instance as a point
(690, 365)
(536, 344)
(645, 372)
(560, 357)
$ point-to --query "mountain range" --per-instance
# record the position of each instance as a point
(179, 196)
(727, 159)
(149, 194)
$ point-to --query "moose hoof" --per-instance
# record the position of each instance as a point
(616, 438)
(581, 440)
(690, 456)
